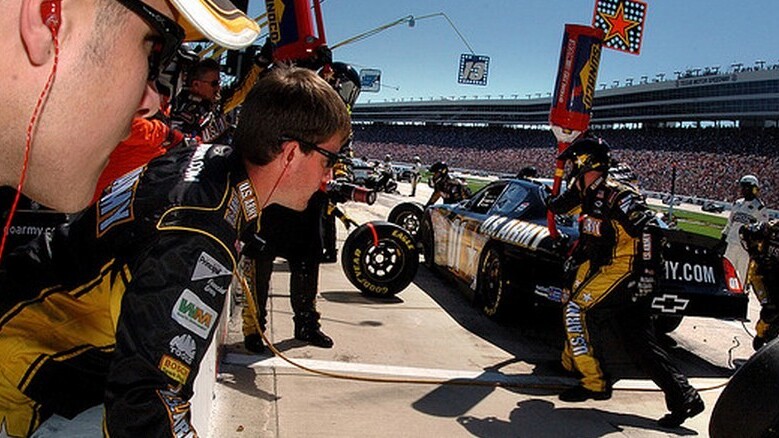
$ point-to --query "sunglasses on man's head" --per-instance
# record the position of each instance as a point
(168, 39)
(332, 157)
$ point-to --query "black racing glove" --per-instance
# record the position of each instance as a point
(253, 246)
(264, 57)
(321, 57)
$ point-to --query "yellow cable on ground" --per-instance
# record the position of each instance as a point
(460, 382)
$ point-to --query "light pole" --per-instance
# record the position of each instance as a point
(411, 20)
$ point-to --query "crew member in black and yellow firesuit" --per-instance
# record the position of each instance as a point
(619, 258)
(445, 186)
(305, 240)
(296, 237)
(202, 110)
(120, 305)
(762, 243)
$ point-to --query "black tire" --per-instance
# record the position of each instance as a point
(747, 405)
(492, 283)
(409, 216)
(665, 324)
(380, 259)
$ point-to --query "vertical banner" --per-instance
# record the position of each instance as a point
(291, 28)
(622, 21)
(577, 76)
(473, 69)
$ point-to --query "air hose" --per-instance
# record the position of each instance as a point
(251, 303)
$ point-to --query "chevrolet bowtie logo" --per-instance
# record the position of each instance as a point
(669, 303)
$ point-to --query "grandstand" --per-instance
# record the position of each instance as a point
(712, 127)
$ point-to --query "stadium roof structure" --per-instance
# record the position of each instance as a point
(749, 98)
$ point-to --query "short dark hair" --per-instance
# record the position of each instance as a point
(288, 102)
(203, 67)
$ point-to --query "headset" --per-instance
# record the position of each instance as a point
(51, 13)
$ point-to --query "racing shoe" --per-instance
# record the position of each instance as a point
(579, 393)
(688, 410)
(253, 343)
(314, 336)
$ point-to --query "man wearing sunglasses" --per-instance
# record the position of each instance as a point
(119, 306)
(198, 113)
(106, 53)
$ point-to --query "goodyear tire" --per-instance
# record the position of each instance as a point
(492, 283)
(409, 216)
(380, 259)
(747, 405)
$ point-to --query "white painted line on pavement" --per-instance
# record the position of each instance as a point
(398, 371)
(441, 374)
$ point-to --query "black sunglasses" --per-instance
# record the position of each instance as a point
(332, 157)
(213, 83)
(169, 35)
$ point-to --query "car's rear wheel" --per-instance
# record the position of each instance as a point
(492, 283)
(665, 324)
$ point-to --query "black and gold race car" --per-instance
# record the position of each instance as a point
(497, 244)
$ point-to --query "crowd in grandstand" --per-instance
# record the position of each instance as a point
(708, 161)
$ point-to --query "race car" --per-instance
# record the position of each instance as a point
(497, 244)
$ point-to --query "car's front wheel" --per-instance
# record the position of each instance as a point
(492, 283)
(408, 215)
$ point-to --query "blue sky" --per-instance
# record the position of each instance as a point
(523, 39)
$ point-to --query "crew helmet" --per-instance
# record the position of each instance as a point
(439, 167)
(528, 172)
(749, 180)
(439, 171)
(750, 186)
(346, 82)
(586, 154)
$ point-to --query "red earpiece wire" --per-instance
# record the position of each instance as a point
(51, 17)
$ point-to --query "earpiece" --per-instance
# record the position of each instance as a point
(51, 13)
